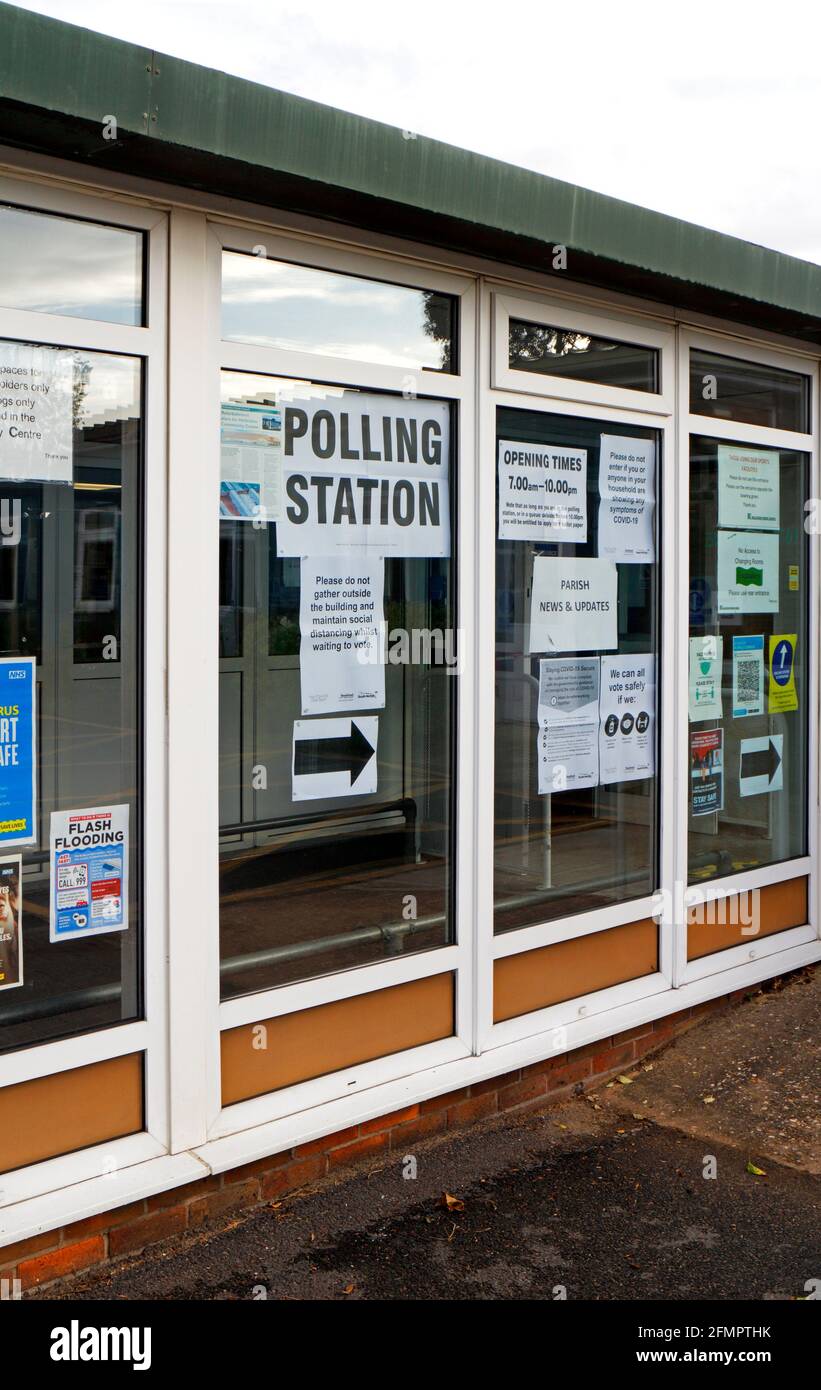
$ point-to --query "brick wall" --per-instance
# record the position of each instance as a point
(58, 1254)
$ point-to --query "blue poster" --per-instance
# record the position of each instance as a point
(18, 763)
(89, 872)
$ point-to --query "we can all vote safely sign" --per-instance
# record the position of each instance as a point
(365, 471)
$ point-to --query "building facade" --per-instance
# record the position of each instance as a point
(409, 621)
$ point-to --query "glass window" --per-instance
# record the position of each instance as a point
(338, 638)
(60, 265)
(70, 586)
(577, 640)
(750, 392)
(276, 304)
(537, 347)
(748, 657)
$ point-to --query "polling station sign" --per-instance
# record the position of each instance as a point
(18, 756)
(365, 472)
(88, 872)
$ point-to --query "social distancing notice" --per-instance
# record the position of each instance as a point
(365, 472)
(334, 757)
(706, 662)
(627, 713)
(340, 617)
(568, 739)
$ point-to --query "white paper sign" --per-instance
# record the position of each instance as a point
(542, 493)
(340, 612)
(706, 666)
(568, 739)
(747, 572)
(334, 757)
(365, 472)
(627, 709)
(627, 487)
(761, 765)
(573, 605)
(748, 488)
(36, 411)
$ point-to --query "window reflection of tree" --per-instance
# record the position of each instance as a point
(534, 342)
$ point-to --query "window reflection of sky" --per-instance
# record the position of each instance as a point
(301, 309)
(56, 265)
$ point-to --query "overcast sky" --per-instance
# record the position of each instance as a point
(707, 109)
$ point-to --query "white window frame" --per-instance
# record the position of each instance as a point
(596, 321)
(689, 423)
(597, 403)
(198, 686)
(149, 1035)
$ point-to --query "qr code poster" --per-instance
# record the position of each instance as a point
(748, 676)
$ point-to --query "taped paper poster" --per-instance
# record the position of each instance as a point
(627, 714)
(706, 665)
(783, 695)
(250, 462)
(542, 493)
(89, 872)
(748, 488)
(365, 472)
(747, 572)
(11, 921)
(568, 739)
(340, 616)
(18, 753)
(761, 765)
(627, 488)
(748, 676)
(36, 413)
(706, 771)
(334, 757)
(573, 605)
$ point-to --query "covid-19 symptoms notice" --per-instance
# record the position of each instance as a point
(365, 472)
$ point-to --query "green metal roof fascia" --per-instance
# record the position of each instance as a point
(62, 68)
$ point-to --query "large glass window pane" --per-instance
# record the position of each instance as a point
(749, 657)
(60, 265)
(539, 348)
(753, 393)
(304, 309)
(332, 856)
(70, 585)
(577, 642)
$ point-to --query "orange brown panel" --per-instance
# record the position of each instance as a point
(550, 974)
(327, 1038)
(717, 925)
(71, 1110)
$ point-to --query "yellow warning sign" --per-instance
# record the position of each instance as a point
(783, 694)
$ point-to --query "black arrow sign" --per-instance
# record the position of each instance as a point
(761, 762)
(351, 754)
